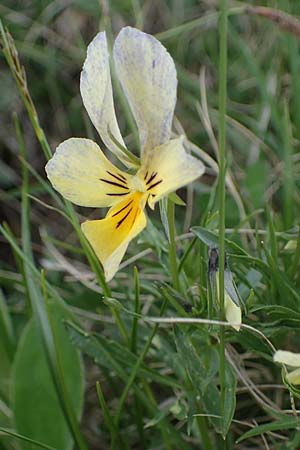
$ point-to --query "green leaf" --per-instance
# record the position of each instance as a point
(164, 216)
(272, 235)
(36, 444)
(230, 399)
(282, 424)
(36, 408)
(212, 405)
(201, 364)
(7, 337)
(105, 351)
(253, 342)
(45, 321)
(7, 349)
(199, 359)
(176, 199)
(211, 239)
(105, 357)
(281, 315)
(256, 180)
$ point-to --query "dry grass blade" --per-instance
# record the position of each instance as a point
(284, 20)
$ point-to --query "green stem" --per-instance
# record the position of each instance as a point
(172, 244)
(138, 410)
(136, 310)
(294, 267)
(186, 253)
(204, 432)
(223, 25)
(162, 425)
(288, 185)
(136, 368)
(107, 417)
(26, 439)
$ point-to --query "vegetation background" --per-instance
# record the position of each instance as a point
(77, 368)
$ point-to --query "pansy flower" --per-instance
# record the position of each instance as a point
(80, 171)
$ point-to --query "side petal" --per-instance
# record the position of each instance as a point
(110, 237)
(81, 173)
(148, 77)
(233, 312)
(168, 168)
(96, 92)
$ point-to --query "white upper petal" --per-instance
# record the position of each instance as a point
(96, 92)
(148, 77)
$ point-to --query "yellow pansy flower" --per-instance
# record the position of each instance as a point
(80, 171)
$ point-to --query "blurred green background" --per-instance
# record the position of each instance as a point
(263, 161)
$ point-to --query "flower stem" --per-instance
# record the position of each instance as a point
(221, 184)
(172, 244)
(204, 432)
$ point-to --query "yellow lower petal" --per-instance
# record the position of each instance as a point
(110, 237)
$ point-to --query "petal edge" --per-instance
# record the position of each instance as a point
(96, 93)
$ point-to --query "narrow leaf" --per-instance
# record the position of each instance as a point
(36, 407)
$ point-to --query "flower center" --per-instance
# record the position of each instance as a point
(136, 184)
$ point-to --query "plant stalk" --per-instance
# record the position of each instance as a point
(223, 31)
(172, 245)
